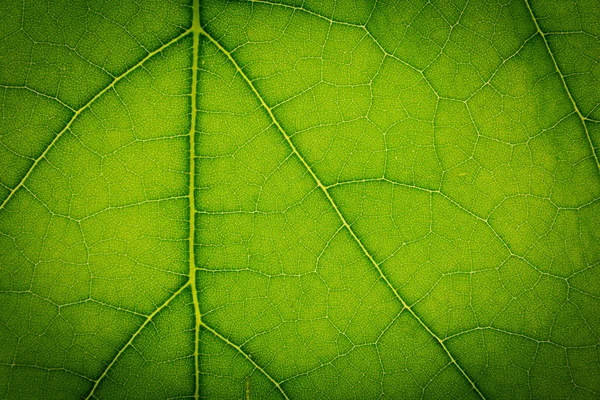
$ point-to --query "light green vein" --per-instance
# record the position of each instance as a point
(46, 369)
(59, 101)
(130, 341)
(336, 208)
(192, 199)
(247, 356)
(306, 10)
(83, 108)
(564, 82)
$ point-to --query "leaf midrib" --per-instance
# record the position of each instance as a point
(196, 30)
(191, 283)
(192, 198)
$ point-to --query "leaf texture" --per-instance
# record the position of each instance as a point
(300, 199)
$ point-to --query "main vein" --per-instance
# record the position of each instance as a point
(199, 323)
(192, 200)
(83, 108)
(564, 82)
(336, 208)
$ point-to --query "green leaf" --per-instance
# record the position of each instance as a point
(305, 199)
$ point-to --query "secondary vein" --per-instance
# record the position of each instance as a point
(336, 208)
(247, 356)
(82, 109)
(564, 82)
(130, 341)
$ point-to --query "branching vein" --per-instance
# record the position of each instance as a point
(85, 107)
(564, 82)
(336, 208)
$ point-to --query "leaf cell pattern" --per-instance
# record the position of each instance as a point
(299, 199)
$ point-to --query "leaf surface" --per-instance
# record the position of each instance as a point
(299, 199)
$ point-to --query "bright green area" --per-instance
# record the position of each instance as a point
(300, 199)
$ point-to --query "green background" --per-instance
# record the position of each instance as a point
(305, 199)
